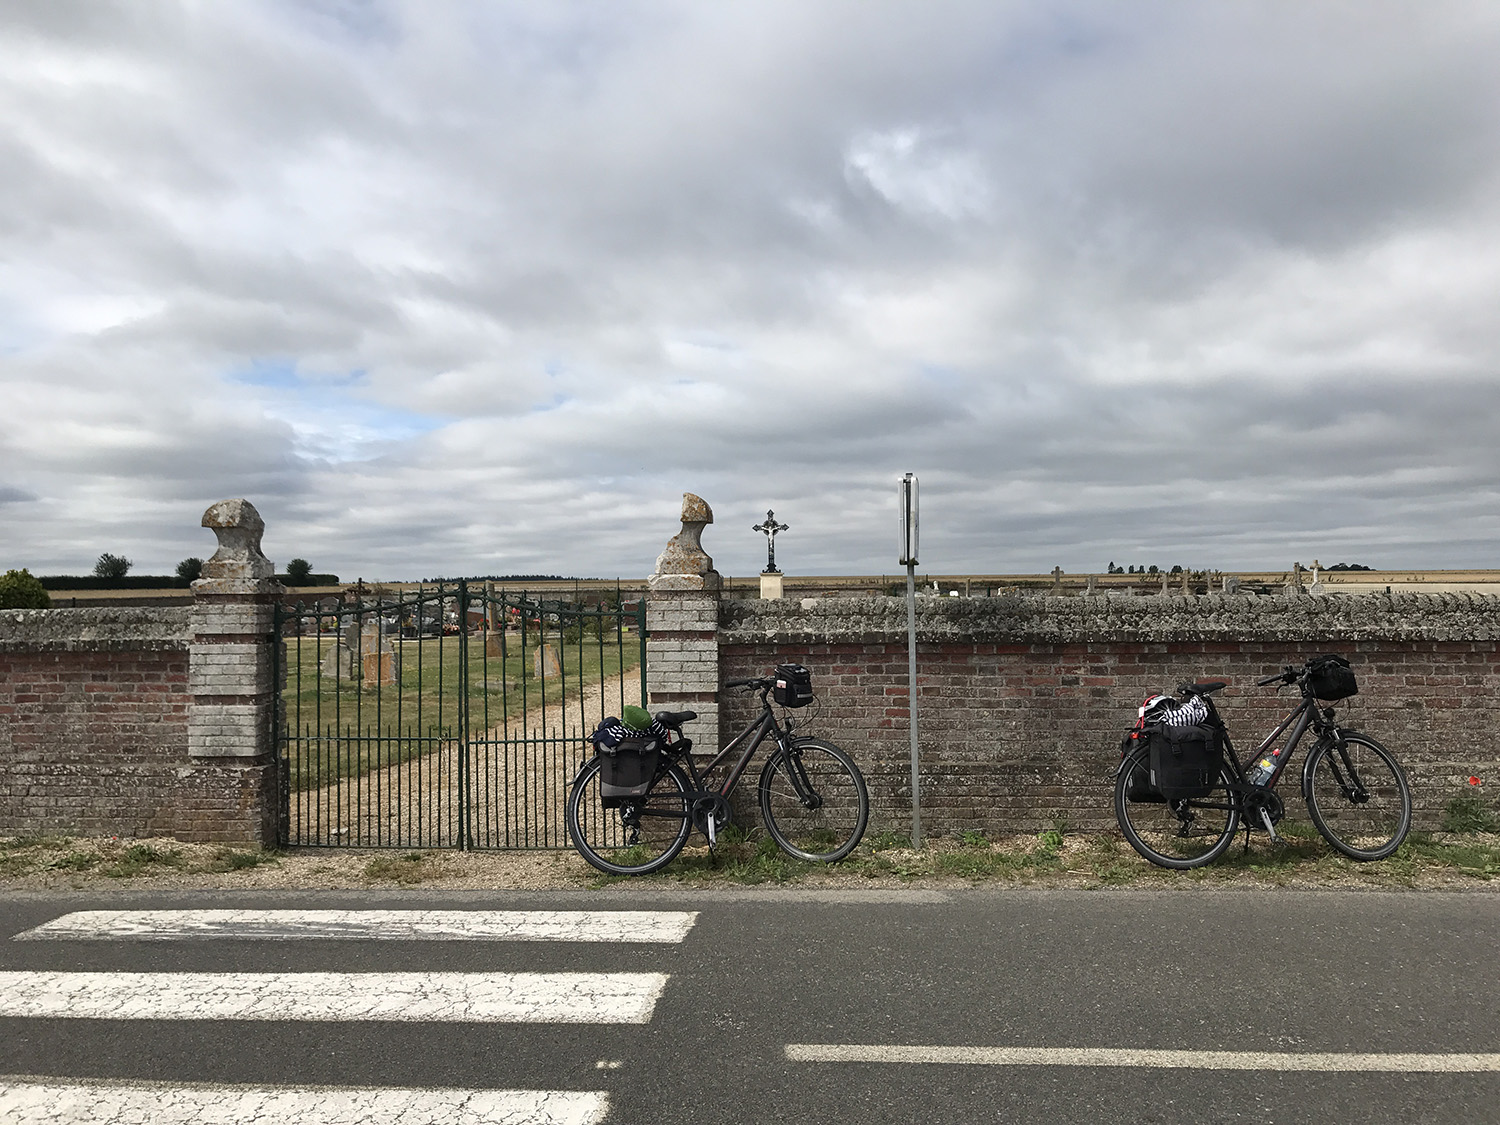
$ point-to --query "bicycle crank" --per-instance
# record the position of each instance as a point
(710, 814)
(1263, 811)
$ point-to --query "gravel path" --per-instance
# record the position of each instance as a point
(520, 775)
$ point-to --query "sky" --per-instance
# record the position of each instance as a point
(484, 288)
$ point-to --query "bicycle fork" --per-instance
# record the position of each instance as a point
(803, 785)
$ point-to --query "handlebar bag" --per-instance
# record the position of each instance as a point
(793, 686)
(1330, 677)
(1185, 761)
(627, 769)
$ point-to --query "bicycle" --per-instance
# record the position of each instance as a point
(812, 796)
(1355, 790)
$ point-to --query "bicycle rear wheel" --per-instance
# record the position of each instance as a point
(639, 836)
(813, 801)
(1358, 797)
(1176, 834)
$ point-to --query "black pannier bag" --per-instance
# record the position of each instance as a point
(1185, 761)
(1138, 788)
(1330, 678)
(793, 685)
(627, 770)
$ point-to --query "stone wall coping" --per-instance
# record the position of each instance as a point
(100, 629)
(1156, 618)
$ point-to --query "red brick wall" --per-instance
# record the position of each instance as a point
(1018, 735)
(93, 733)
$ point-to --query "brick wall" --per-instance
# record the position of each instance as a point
(1022, 700)
(95, 709)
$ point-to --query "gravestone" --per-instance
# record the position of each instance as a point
(342, 660)
(544, 663)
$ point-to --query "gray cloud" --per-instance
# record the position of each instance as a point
(454, 288)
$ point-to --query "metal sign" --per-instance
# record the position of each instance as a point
(908, 503)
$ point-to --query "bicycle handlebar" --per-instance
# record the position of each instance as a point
(1287, 675)
(750, 685)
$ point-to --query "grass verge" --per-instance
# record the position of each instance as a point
(1055, 858)
(1100, 859)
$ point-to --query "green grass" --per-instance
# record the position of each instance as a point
(406, 868)
(229, 859)
(138, 858)
(1097, 859)
(1468, 812)
(340, 727)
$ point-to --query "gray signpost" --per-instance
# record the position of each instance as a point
(908, 498)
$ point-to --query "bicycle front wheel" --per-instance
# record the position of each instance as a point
(637, 837)
(813, 800)
(1358, 797)
(1176, 834)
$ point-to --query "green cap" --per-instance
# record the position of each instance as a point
(636, 718)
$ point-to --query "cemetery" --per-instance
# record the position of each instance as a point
(417, 715)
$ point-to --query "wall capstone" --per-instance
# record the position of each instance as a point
(239, 528)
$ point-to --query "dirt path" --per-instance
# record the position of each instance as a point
(519, 777)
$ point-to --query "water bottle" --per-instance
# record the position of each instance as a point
(1260, 773)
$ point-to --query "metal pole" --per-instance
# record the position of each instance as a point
(911, 664)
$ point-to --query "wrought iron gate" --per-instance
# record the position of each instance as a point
(451, 716)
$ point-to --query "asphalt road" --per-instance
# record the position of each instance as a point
(1291, 974)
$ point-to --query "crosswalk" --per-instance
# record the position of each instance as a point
(347, 997)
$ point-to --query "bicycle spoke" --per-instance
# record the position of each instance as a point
(1358, 798)
(1175, 834)
(814, 802)
(633, 838)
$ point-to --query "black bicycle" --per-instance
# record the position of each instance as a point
(1356, 791)
(813, 800)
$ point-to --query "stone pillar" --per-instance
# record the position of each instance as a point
(682, 626)
(231, 724)
(770, 585)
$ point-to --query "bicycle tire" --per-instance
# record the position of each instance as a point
(832, 827)
(1371, 822)
(1164, 831)
(608, 841)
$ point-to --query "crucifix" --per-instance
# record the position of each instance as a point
(769, 530)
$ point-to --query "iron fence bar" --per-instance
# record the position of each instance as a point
(278, 721)
(464, 796)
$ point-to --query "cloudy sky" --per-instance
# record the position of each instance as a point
(483, 288)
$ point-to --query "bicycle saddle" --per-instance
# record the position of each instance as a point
(675, 719)
(1205, 688)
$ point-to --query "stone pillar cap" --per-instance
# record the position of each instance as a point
(239, 559)
(684, 565)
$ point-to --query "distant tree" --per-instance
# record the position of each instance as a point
(112, 566)
(19, 590)
(1111, 569)
(1177, 570)
(1152, 569)
(190, 569)
(298, 570)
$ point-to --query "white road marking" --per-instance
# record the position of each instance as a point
(656, 926)
(405, 997)
(1131, 1057)
(52, 1102)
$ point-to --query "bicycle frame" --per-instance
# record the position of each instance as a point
(1307, 714)
(1300, 718)
(759, 728)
